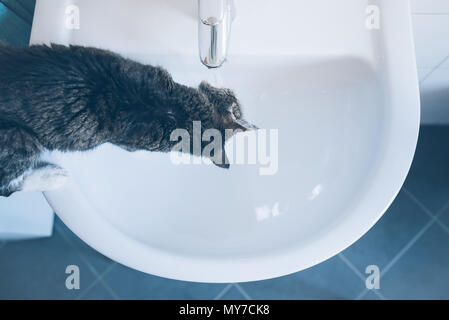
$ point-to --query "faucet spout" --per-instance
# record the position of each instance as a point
(214, 29)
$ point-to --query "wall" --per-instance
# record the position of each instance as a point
(431, 28)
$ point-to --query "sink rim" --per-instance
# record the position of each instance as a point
(85, 221)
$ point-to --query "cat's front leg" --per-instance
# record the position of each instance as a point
(44, 177)
(41, 177)
(20, 169)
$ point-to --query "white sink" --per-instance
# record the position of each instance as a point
(343, 97)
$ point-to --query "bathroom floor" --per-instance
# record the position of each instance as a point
(409, 245)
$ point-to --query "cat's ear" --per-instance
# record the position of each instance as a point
(217, 96)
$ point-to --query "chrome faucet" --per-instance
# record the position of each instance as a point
(214, 29)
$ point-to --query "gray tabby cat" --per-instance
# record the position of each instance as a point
(77, 98)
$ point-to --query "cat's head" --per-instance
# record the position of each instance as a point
(227, 108)
(227, 113)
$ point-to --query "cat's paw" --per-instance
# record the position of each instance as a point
(46, 178)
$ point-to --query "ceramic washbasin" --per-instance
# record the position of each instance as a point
(343, 97)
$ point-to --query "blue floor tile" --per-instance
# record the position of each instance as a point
(24, 9)
(444, 218)
(423, 272)
(98, 292)
(402, 221)
(233, 294)
(131, 284)
(332, 279)
(13, 29)
(371, 296)
(428, 179)
(96, 260)
(36, 269)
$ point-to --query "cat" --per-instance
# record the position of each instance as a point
(74, 98)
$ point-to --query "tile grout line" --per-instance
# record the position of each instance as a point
(433, 70)
(223, 292)
(106, 285)
(25, 8)
(401, 253)
(86, 261)
(242, 291)
(426, 75)
(82, 294)
(419, 203)
(413, 240)
(359, 274)
(351, 266)
(17, 14)
(438, 213)
(100, 280)
(443, 226)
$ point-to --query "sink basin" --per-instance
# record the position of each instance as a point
(342, 96)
